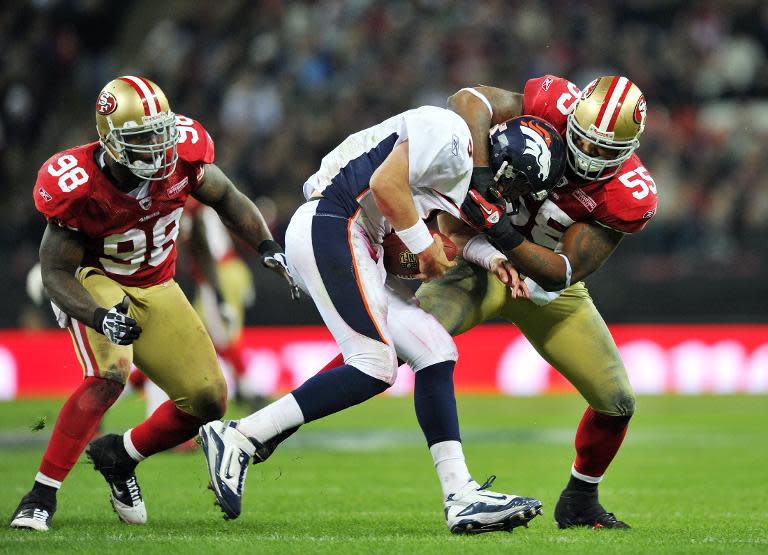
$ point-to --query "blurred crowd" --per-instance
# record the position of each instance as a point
(279, 83)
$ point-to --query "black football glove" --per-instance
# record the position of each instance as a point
(115, 323)
(273, 257)
(488, 214)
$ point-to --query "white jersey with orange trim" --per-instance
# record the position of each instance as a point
(439, 166)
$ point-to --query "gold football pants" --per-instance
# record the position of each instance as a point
(568, 333)
(174, 350)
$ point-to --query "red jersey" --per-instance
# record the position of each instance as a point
(132, 239)
(624, 202)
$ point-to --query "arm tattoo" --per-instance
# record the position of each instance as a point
(586, 245)
(590, 247)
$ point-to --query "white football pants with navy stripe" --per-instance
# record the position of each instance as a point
(334, 261)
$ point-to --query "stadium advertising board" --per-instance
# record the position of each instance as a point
(684, 359)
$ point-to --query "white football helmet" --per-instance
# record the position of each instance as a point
(137, 127)
(609, 114)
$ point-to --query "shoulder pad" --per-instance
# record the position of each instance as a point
(630, 198)
(195, 144)
(63, 184)
(550, 98)
(439, 151)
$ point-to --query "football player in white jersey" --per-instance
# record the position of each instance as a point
(391, 177)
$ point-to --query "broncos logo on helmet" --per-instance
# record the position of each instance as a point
(527, 156)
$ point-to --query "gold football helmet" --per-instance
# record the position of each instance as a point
(604, 127)
(137, 128)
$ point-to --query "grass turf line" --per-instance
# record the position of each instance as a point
(691, 478)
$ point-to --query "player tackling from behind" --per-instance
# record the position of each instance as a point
(390, 176)
(609, 194)
(108, 258)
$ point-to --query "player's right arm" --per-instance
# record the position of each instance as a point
(61, 252)
(390, 185)
(496, 263)
(480, 117)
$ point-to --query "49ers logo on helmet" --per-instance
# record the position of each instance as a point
(106, 103)
(639, 113)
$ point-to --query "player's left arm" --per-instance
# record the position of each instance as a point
(235, 209)
(480, 111)
(243, 218)
(586, 247)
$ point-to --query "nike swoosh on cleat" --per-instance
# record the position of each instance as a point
(116, 490)
(500, 497)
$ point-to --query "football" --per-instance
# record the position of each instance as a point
(399, 261)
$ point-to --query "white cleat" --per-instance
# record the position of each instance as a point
(227, 453)
(475, 509)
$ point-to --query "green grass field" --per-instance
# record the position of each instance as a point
(692, 477)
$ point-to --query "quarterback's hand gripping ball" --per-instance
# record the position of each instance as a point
(401, 262)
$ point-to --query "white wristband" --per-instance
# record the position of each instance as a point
(479, 250)
(417, 237)
(568, 271)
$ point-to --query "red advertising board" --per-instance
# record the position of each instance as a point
(686, 359)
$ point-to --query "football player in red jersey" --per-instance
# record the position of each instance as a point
(108, 258)
(569, 234)
(224, 289)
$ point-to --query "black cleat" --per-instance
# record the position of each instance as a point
(580, 508)
(34, 513)
(110, 458)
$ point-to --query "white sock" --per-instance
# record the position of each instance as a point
(583, 477)
(130, 448)
(450, 466)
(47, 480)
(273, 419)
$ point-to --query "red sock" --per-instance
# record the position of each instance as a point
(77, 422)
(597, 441)
(167, 427)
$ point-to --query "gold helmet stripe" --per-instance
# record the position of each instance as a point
(148, 97)
(609, 112)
